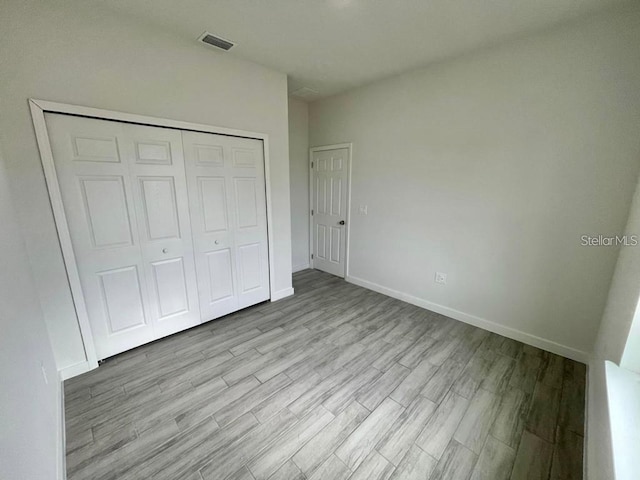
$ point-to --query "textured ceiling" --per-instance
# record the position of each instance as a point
(332, 45)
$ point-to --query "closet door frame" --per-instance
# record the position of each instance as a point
(38, 109)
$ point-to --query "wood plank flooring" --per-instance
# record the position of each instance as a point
(336, 382)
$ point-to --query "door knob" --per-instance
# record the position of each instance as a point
(216, 242)
(341, 222)
(164, 250)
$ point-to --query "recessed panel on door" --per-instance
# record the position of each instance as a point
(153, 152)
(209, 155)
(336, 233)
(122, 299)
(250, 265)
(106, 210)
(244, 158)
(321, 241)
(213, 200)
(171, 287)
(160, 210)
(336, 196)
(95, 149)
(220, 275)
(246, 205)
(321, 195)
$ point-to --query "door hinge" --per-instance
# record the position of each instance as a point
(312, 256)
(312, 211)
(311, 164)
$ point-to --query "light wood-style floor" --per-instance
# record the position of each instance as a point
(336, 382)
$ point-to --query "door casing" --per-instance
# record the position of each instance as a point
(312, 150)
(38, 109)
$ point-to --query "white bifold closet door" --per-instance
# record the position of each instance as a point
(228, 215)
(127, 206)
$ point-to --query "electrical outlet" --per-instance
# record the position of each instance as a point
(363, 209)
(441, 278)
(44, 373)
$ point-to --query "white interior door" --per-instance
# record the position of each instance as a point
(124, 195)
(329, 177)
(228, 213)
(156, 165)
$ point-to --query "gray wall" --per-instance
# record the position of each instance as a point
(489, 168)
(74, 53)
(299, 174)
(30, 411)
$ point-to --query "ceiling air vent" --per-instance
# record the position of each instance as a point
(214, 41)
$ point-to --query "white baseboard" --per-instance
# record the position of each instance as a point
(74, 370)
(280, 294)
(524, 337)
(300, 267)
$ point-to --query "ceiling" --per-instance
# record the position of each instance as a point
(332, 45)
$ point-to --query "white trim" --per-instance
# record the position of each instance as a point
(347, 249)
(74, 370)
(623, 398)
(309, 216)
(55, 107)
(331, 147)
(585, 443)
(280, 294)
(598, 451)
(38, 109)
(298, 268)
(61, 438)
(51, 178)
(349, 147)
(524, 337)
(270, 243)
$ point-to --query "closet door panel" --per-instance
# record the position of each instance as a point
(216, 244)
(97, 194)
(210, 200)
(156, 163)
(228, 210)
(250, 239)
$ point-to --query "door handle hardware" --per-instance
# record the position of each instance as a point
(216, 242)
(164, 250)
(341, 222)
